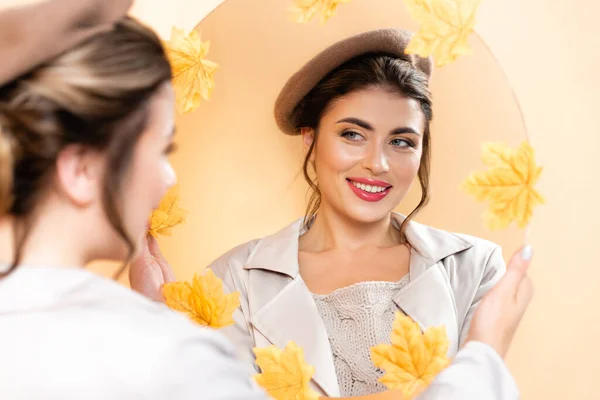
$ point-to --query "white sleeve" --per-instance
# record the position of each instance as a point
(477, 373)
(204, 367)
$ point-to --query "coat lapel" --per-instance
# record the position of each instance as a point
(428, 299)
(283, 309)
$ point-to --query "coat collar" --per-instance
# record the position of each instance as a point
(279, 252)
(283, 308)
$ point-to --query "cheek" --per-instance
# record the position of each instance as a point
(336, 156)
(163, 177)
(152, 177)
(407, 166)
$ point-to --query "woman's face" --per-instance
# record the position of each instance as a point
(367, 153)
(150, 173)
(81, 175)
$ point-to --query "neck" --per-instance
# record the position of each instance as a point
(49, 242)
(331, 231)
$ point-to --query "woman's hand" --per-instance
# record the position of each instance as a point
(496, 320)
(149, 270)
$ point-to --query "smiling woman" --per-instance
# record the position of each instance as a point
(365, 124)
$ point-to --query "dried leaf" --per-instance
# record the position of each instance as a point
(445, 28)
(204, 301)
(192, 73)
(508, 185)
(177, 296)
(168, 214)
(284, 374)
(305, 10)
(413, 359)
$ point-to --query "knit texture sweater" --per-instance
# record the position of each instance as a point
(357, 318)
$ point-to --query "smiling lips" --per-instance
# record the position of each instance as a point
(369, 189)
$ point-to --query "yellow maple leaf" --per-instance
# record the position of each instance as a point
(413, 359)
(204, 300)
(305, 10)
(284, 373)
(445, 28)
(168, 214)
(192, 73)
(508, 185)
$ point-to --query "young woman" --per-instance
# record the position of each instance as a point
(333, 281)
(86, 125)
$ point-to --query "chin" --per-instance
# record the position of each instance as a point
(368, 214)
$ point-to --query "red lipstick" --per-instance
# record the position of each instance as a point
(365, 186)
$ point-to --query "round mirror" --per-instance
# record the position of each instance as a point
(241, 177)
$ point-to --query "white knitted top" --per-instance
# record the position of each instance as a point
(357, 318)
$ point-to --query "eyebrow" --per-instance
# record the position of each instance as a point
(369, 127)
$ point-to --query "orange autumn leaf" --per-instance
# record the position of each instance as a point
(168, 214)
(305, 10)
(413, 359)
(445, 28)
(508, 185)
(177, 296)
(204, 300)
(284, 373)
(192, 73)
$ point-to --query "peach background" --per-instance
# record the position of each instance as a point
(240, 179)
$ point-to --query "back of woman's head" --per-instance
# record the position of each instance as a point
(95, 95)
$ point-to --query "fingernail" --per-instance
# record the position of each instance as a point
(527, 252)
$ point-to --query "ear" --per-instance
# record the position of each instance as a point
(308, 137)
(79, 172)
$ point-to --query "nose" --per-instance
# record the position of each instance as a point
(376, 160)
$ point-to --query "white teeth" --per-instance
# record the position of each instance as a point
(369, 188)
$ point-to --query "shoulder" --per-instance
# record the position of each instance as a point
(481, 250)
(482, 259)
(235, 258)
(160, 343)
(113, 332)
(278, 249)
(453, 243)
(461, 254)
(135, 319)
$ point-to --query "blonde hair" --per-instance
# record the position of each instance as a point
(94, 95)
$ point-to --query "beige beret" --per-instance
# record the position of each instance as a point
(32, 32)
(386, 41)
